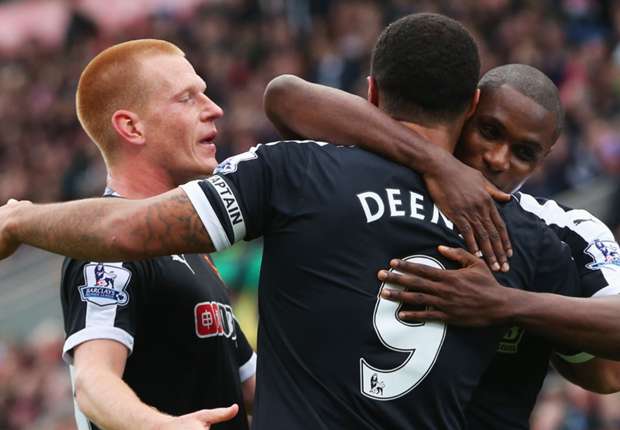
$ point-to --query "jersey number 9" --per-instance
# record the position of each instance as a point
(422, 341)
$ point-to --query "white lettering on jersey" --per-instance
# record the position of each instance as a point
(415, 206)
(422, 341)
(373, 206)
(364, 198)
(393, 202)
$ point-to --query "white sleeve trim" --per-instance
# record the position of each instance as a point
(248, 369)
(581, 357)
(94, 333)
(205, 211)
(609, 290)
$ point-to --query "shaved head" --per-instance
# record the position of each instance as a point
(530, 82)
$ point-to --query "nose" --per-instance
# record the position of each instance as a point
(211, 111)
(498, 157)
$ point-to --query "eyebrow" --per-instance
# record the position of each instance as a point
(497, 123)
(532, 143)
(199, 87)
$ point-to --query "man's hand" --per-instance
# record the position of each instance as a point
(469, 296)
(200, 420)
(466, 198)
(8, 244)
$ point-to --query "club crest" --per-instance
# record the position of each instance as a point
(603, 253)
(105, 284)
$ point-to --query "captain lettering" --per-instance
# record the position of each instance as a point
(399, 203)
(228, 198)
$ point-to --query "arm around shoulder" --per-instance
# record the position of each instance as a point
(109, 229)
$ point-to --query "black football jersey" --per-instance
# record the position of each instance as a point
(332, 353)
(508, 390)
(173, 314)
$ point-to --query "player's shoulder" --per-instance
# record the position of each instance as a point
(574, 221)
(531, 235)
(520, 220)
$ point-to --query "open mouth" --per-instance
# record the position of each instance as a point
(207, 139)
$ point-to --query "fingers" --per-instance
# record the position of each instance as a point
(467, 231)
(495, 239)
(422, 270)
(218, 415)
(502, 230)
(459, 255)
(427, 315)
(497, 194)
(407, 281)
(410, 297)
(482, 238)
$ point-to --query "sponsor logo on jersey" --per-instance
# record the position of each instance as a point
(214, 319)
(510, 342)
(604, 253)
(105, 284)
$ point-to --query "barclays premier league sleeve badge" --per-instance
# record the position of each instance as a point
(605, 253)
(105, 284)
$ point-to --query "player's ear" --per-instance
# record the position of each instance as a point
(474, 104)
(128, 126)
(373, 91)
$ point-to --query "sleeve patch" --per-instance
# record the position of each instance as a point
(231, 163)
(604, 253)
(105, 284)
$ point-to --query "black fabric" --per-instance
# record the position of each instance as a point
(318, 295)
(179, 363)
(508, 390)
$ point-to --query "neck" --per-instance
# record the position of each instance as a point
(138, 180)
(444, 136)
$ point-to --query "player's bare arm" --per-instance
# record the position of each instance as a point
(109, 402)
(106, 229)
(471, 296)
(597, 375)
(299, 108)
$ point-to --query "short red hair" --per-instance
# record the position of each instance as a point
(112, 81)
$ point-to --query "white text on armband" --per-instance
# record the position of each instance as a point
(231, 205)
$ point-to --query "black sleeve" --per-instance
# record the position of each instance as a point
(556, 271)
(252, 193)
(100, 301)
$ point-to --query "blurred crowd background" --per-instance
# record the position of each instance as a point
(238, 46)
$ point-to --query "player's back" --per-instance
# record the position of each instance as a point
(331, 353)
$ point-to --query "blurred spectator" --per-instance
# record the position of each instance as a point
(238, 46)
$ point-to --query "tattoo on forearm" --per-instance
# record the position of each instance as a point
(172, 225)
